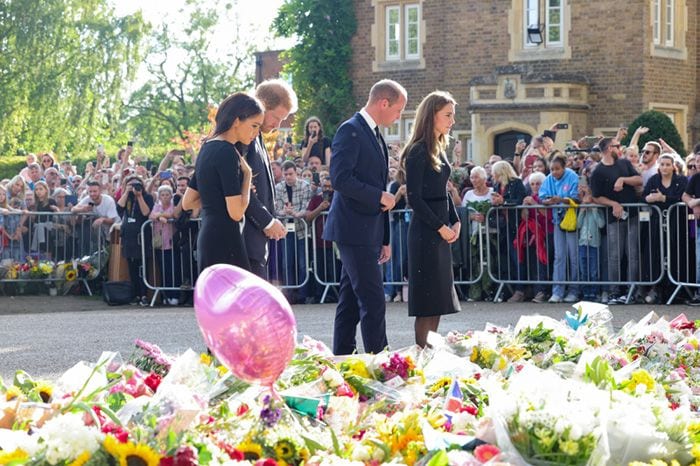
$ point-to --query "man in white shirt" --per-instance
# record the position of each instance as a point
(102, 205)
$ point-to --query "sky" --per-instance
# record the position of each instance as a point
(254, 16)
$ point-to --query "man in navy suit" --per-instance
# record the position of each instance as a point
(358, 220)
(261, 225)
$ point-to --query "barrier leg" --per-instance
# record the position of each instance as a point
(325, 293)
(497, 298)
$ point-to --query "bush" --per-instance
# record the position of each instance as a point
(660, 126)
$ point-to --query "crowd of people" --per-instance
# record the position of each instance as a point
(528, 246)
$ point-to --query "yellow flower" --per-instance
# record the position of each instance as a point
(112, 446)
(81, 460)
(285, 450)
(250, 450)
(138, 455)
(16, 455)
(71, 275)
(205, 359)
(640, 377)
(569, 447)
(222, 370)
(45, 391)
(439, 385)
(475, 354)
(513, 353)
(695, 451)
(355, 366)
(12, 393)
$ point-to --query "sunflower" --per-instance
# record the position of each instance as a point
(250, 450)
(44, 390)
(285, 450)
(138, 455)
(205, 359)
(71, 275)
(16, 455)
(81, 460)
(112, 446)
(12, 393)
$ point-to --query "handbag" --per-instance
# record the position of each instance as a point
(568, 223)
(157, 240)
(118, 293)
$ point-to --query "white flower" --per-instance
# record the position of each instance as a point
(66, 437)
(332, 378)
(360, 453)
(575, 432)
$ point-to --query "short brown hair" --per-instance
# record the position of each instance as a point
(276, 92)
(386, 89)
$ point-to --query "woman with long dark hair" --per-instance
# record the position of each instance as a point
(221, 183)
(434, 223)
(315, 143)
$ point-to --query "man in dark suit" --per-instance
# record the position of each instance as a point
(358, 220)
(261, 225)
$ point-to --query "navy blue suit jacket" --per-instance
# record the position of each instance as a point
(261, 208)
(359, 172)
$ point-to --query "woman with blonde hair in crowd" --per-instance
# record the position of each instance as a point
(509, 192)
(17, 189)
(434, 224)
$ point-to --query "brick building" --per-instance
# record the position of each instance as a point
(268, 65)
(516, 67)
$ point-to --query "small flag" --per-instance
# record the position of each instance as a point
(453, 401)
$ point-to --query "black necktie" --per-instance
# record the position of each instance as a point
(378, 135)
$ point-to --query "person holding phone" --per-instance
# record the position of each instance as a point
(221, 183)
(314, 142)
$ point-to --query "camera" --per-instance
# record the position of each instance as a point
(130, 144)
(138, 187)
(313, 134)
(91, 204)
(562, 126)
(166, 175)
(327, 196)
(289, 139)
(316, 178)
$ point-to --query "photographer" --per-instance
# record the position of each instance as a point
(134, 206)
(100, 204)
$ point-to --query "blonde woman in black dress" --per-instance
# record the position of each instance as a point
(434, 223)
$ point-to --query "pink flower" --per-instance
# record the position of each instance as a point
(486, 452)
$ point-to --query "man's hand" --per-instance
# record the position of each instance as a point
(276, 231)
(387, 201)
(324, 205)
(617, 210)
(98, 223)
(619, 184)
(520, 147)
(641, 130)
(385, 255)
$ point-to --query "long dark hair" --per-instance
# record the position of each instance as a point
(239, 106)
(307, 133)
(424, 128)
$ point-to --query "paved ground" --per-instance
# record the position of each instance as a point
(46, 336)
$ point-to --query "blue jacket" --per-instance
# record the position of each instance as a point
(359, 172)
(566, 186)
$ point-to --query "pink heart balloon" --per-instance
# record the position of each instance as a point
(246, 322)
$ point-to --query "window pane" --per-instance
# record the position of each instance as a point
(554, 34)
(393, 51)
(531, 18)
(554, 3)
(669, 21)
(656, 21)
(412, 13)
(555, 17)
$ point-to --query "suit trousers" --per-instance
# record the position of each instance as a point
(360, 300)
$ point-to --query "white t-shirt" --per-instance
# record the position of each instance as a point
(471, 196)
(106, 208)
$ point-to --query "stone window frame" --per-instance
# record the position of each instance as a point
(665, 15)
(520, 50)
(379, 34)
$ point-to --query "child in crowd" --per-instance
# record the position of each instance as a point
(589, 221)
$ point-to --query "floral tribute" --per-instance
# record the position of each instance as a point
(544, 392)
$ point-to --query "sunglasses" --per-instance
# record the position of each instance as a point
(648, 152)
(692, 167)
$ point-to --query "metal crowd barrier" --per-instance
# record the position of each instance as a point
(680, 226)
(530, 252)
(52, 247)
(169, 259)
(468, 257)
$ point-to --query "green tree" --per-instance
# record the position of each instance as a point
(186, 79)
(63, 65)
(660, 126)
(319, 63)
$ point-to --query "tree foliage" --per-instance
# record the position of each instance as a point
(319, 63)
(63, 67)
(186, 81)
(660, 126)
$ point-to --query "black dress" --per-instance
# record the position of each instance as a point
(217, 176)
(431, 290)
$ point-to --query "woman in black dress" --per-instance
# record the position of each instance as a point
(221, 183)
(434, 223)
